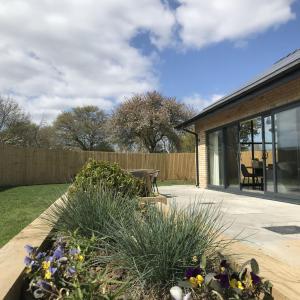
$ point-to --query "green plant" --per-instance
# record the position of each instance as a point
(157, 248)
(91, 211)
(109, 175)
(225, 282)
(67, 271)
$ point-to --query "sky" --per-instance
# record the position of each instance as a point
(58, 54)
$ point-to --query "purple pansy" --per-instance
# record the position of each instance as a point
(192, 272)
(74, 251)
(29, 249)
(28, 261)
(255, 279)
(44, 284)
(224, 280)
(71, 271)
(40, 255)
(58, 253)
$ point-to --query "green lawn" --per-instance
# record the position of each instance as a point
(19, 206)
(175, 182)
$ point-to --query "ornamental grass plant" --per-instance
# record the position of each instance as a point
(156, 249)
(91, 211)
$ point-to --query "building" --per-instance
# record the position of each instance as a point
(249, 141)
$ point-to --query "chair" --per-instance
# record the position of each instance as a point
(247, 175)
(154, 180)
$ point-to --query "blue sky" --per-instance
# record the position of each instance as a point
(220, 68)
(88, 52)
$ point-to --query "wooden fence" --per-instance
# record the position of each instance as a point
(25, 166)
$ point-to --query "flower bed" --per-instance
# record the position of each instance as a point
(106, 245)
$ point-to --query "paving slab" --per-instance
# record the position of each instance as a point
(279, 254)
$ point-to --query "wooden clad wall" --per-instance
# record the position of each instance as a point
(25, 166)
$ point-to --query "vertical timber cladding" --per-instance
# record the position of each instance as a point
(26, 166)
(280, 95)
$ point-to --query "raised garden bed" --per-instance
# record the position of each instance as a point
(107, 241)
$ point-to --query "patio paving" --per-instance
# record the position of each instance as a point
(249, 217)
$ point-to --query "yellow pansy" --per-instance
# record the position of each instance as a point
(193, 282)
(47, 275)
(233, 283)
(200, 279)
(240, 285)
(46, 265)
(80, 258)
(196, 281)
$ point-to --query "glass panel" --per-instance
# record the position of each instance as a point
(215, 158)
(232, 156)
(245, 132)
(251, 163)
(269, 154)
(287, 139)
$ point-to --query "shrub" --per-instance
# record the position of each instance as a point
(109, 175)
(157, 249)
(91, 211)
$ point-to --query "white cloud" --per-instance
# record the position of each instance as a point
(59, 54)
(205, 22)
(198, 102)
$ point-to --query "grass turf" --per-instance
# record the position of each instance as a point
(19, 206)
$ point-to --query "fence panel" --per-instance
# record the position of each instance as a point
(25, 166)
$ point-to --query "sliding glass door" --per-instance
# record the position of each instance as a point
(232, 156)
(251, 155)
(261, 154)
(287, 148)
(215, 158)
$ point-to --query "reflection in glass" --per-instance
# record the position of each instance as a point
(287, 139)
(251, 163)
(269, 154)
(232, 156)
(215, 158)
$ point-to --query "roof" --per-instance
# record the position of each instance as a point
(279, 69)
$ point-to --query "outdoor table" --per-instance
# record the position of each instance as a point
(144, 174)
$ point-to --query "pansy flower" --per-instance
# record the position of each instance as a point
(28, 261)
(193, 272)
(29, 249)
(44, 285)
(71, 271)
(74, 251)
(255, 278)
(224, 280)
(58, 253)
(40, 255)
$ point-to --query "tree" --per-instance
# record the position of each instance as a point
(147, 121)
(83, 127)
(10, 113)
(187, 142)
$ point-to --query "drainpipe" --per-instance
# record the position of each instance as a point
(197, 159)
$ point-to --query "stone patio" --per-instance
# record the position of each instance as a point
(278, 254)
